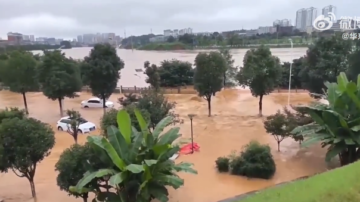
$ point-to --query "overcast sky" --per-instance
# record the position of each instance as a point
(69, 18)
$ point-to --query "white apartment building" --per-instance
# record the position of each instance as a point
(266, 30)
(311, 14)
(305, 17)
(203, 33)
(177, 32)
(328, 9)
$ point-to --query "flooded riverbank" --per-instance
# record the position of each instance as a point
(233, 124)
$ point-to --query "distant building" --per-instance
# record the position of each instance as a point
(177, 32)
(14, 37)
(168, 32)
(300, 23)
(305, 18)
(88, 38)
(32, 38)
(185, 31)
(283, 22)
(285, 29)
(311, 14)
(203, 33)
(267, 30)
(327, 9)
(251, 32)
(80, 39)
(157, 39)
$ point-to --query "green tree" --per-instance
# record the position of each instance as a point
(354, 60)
(187, 39)
(208, 77)
(59, 77)
(231, 71)
(153, 77)
(158, 107)
(279, 126)
(135, 171)
(128, 99)
(171, 39)
(75, 121)
(25, 143)
(261, 73)
(297, 66)
(20, 74)
(175, 73)
(103, 71)
(336, 125)
(324, 60)
(72, 165)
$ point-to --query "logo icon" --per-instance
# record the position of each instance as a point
(324, 23)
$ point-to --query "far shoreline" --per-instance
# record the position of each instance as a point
(180, 47)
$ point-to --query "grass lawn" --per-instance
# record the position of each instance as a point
(339, 185)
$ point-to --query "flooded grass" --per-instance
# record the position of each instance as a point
(338, 185)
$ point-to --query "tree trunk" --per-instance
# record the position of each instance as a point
(104, 103)
(260, 105)
(224, 79)
(32, 186)
(25, 102)
(61, 107)
(75, 136)
(278, 142)
(209, 105)
(85, 197)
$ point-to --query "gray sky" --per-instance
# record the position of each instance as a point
(69, 18)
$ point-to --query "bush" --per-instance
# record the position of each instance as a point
(108, 119)
(222, 164)
(255, 161)
(128, 99)
(71, 166)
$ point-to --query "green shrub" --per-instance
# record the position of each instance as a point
(108, 119)
(255, 161)
(222, 164)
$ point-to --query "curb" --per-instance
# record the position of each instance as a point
(246, 195)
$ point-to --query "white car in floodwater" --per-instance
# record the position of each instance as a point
(85, 126)
(96, 103)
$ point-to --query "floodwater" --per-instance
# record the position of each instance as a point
(135, 60)
(234, 123)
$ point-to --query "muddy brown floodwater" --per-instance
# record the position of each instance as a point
(234, 123)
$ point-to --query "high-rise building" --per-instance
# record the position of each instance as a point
(329, 9)
(32, 38)
(305, 17)
(311, 14)
(300, 19)
(26, 38)
(88, 38)
(80, 39)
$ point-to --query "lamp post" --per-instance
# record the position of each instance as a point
(191, 116)
(290, 72)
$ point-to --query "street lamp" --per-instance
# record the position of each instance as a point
(191, 116)
(290, 72)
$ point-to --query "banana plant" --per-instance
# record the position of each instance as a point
(138, 167)
(336, 125)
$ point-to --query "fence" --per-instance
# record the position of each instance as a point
(179, 90)
(135, 89)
